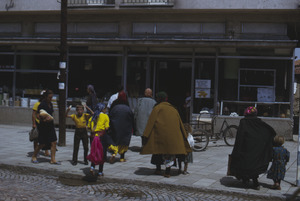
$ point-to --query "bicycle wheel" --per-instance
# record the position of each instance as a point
(230, 134)
(201, 138)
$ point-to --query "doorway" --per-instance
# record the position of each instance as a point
(174, 77)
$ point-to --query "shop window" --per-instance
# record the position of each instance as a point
(260, 83)
(104, 73)
(204, 85)
(38, 62)
(29, 86)
(136, 79)
(6, 92)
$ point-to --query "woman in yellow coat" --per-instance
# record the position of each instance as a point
(164, 135)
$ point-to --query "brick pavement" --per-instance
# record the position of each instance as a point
(208, 172)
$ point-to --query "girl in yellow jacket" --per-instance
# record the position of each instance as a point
(99, 124)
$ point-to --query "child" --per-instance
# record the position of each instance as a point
(280, 158)
(185, 158)
(99, 125)
(80, 119)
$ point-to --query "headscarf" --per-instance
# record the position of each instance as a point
(161, 97)
(122, 96)
(250, 111)
(98, 109)
(91, 88)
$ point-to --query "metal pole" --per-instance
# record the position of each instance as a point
(298, 153)
(62, 78)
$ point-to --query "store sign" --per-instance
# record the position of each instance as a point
(202, 88)
(201, 83)
(202, 93)
(265, 95)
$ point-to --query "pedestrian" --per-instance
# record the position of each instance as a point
(121, 124)
(142, 112)
(36, 121)
(252, 150)
(186, 159)
(92, 100)
(80, 119)
(114, 96)
(47, 134)
(280, 158)
(187, 106)
(100, 141)
(164, 136)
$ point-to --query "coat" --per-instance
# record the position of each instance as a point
(121, 124)
(141, 114)
(253, 148)
(165, 132)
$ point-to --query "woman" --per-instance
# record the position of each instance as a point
(121, 124)
(164, 136)
(92, 100)
(36, 121)
(252, 150)
(47, 134)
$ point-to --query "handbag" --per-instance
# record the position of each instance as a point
(191, 140)
(33, 134)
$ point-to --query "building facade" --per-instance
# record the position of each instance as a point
(227, 55)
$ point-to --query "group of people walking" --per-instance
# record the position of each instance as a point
(163, 135)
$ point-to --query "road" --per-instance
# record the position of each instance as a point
(27, 184)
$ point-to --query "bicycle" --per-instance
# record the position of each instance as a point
(202, 135)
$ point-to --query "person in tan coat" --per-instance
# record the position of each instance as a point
(164, 135)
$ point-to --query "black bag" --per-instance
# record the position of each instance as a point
(33, 134)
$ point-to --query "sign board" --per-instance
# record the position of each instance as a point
(202, 93)
(265, 95)
(201, 83)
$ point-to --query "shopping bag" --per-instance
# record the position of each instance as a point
(33, 134)
(191, 140)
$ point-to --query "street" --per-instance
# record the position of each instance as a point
(25, 184)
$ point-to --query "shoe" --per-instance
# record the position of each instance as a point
(185, 173)
(86, 163)
(100, 174)
(167, 175)
(74, 163)
(55, 163)
(112, 159)
(276, 187)
(34, 161)
(122, 160)
(92, 170)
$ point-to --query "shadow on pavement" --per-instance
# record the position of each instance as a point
(135, 149)
(150, 171)
(232, 182)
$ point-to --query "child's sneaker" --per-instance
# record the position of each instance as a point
(122, 160)
(92, 170)
(100, 174)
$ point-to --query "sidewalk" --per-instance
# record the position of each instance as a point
(207, 172)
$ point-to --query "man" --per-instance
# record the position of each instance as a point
(165, 135)
(142, 111)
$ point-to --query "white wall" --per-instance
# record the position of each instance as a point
(45, 5)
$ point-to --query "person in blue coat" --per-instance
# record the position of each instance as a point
(121, 124)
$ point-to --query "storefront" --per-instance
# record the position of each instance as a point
(221, 80)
